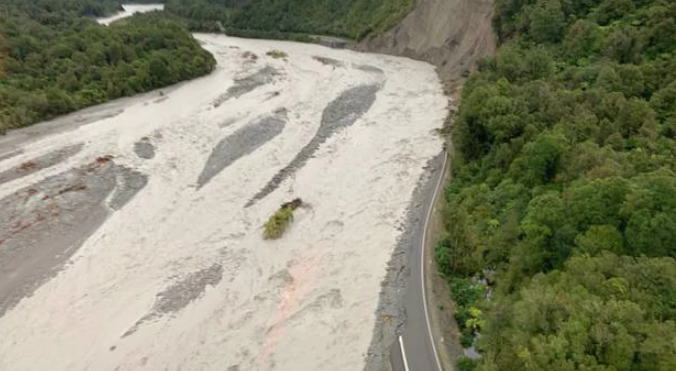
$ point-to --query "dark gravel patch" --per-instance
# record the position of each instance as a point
(367, 68)
(43, 225)
(339, 113)
(129, 183)
(36, 164)
(180, 294)
(144, 149)
(328, 61)
(241, 143)
(247, 84)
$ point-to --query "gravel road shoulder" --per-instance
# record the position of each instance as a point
(390, 314)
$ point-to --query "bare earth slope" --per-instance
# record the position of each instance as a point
(129, 244)
(451, 34)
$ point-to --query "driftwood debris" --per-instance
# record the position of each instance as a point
(296, 203)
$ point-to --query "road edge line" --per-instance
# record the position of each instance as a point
(422, 260)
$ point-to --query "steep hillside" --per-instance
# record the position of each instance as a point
(450, 34)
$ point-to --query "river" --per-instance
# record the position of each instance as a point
(131, 233)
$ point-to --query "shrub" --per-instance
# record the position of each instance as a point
(277, 54)
(277, 224)
(466, 364)
(279, 221)
(466, 338)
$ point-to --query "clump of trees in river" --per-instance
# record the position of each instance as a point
(563, 196)
(57, 59)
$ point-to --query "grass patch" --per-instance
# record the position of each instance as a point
(278, 223)
(277, 54)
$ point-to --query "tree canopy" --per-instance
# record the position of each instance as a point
(290, 18)
(563, 189)
(57, 59)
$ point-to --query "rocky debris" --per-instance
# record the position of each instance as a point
(48, 160)
(247, 84)
(241, 143)
(43, 225)
(181, 293)
(328, 61)
(339, 113)
(293, 205)
(371, 69)
(144, 149)
(249, 55)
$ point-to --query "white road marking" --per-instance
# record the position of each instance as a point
(403, 353)
(422, 262)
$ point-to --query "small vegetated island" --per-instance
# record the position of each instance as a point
(280, 221)
(563, 195)
(56, 59)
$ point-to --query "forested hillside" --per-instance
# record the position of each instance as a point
(57, 59)
(281, 18)
(563, 195)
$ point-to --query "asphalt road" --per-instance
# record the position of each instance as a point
(415, 350)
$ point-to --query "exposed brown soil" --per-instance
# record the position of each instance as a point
(28, 165)
(451, 34)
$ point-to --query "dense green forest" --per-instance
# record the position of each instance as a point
(561, 218)
(280, 18)
(57, 59)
